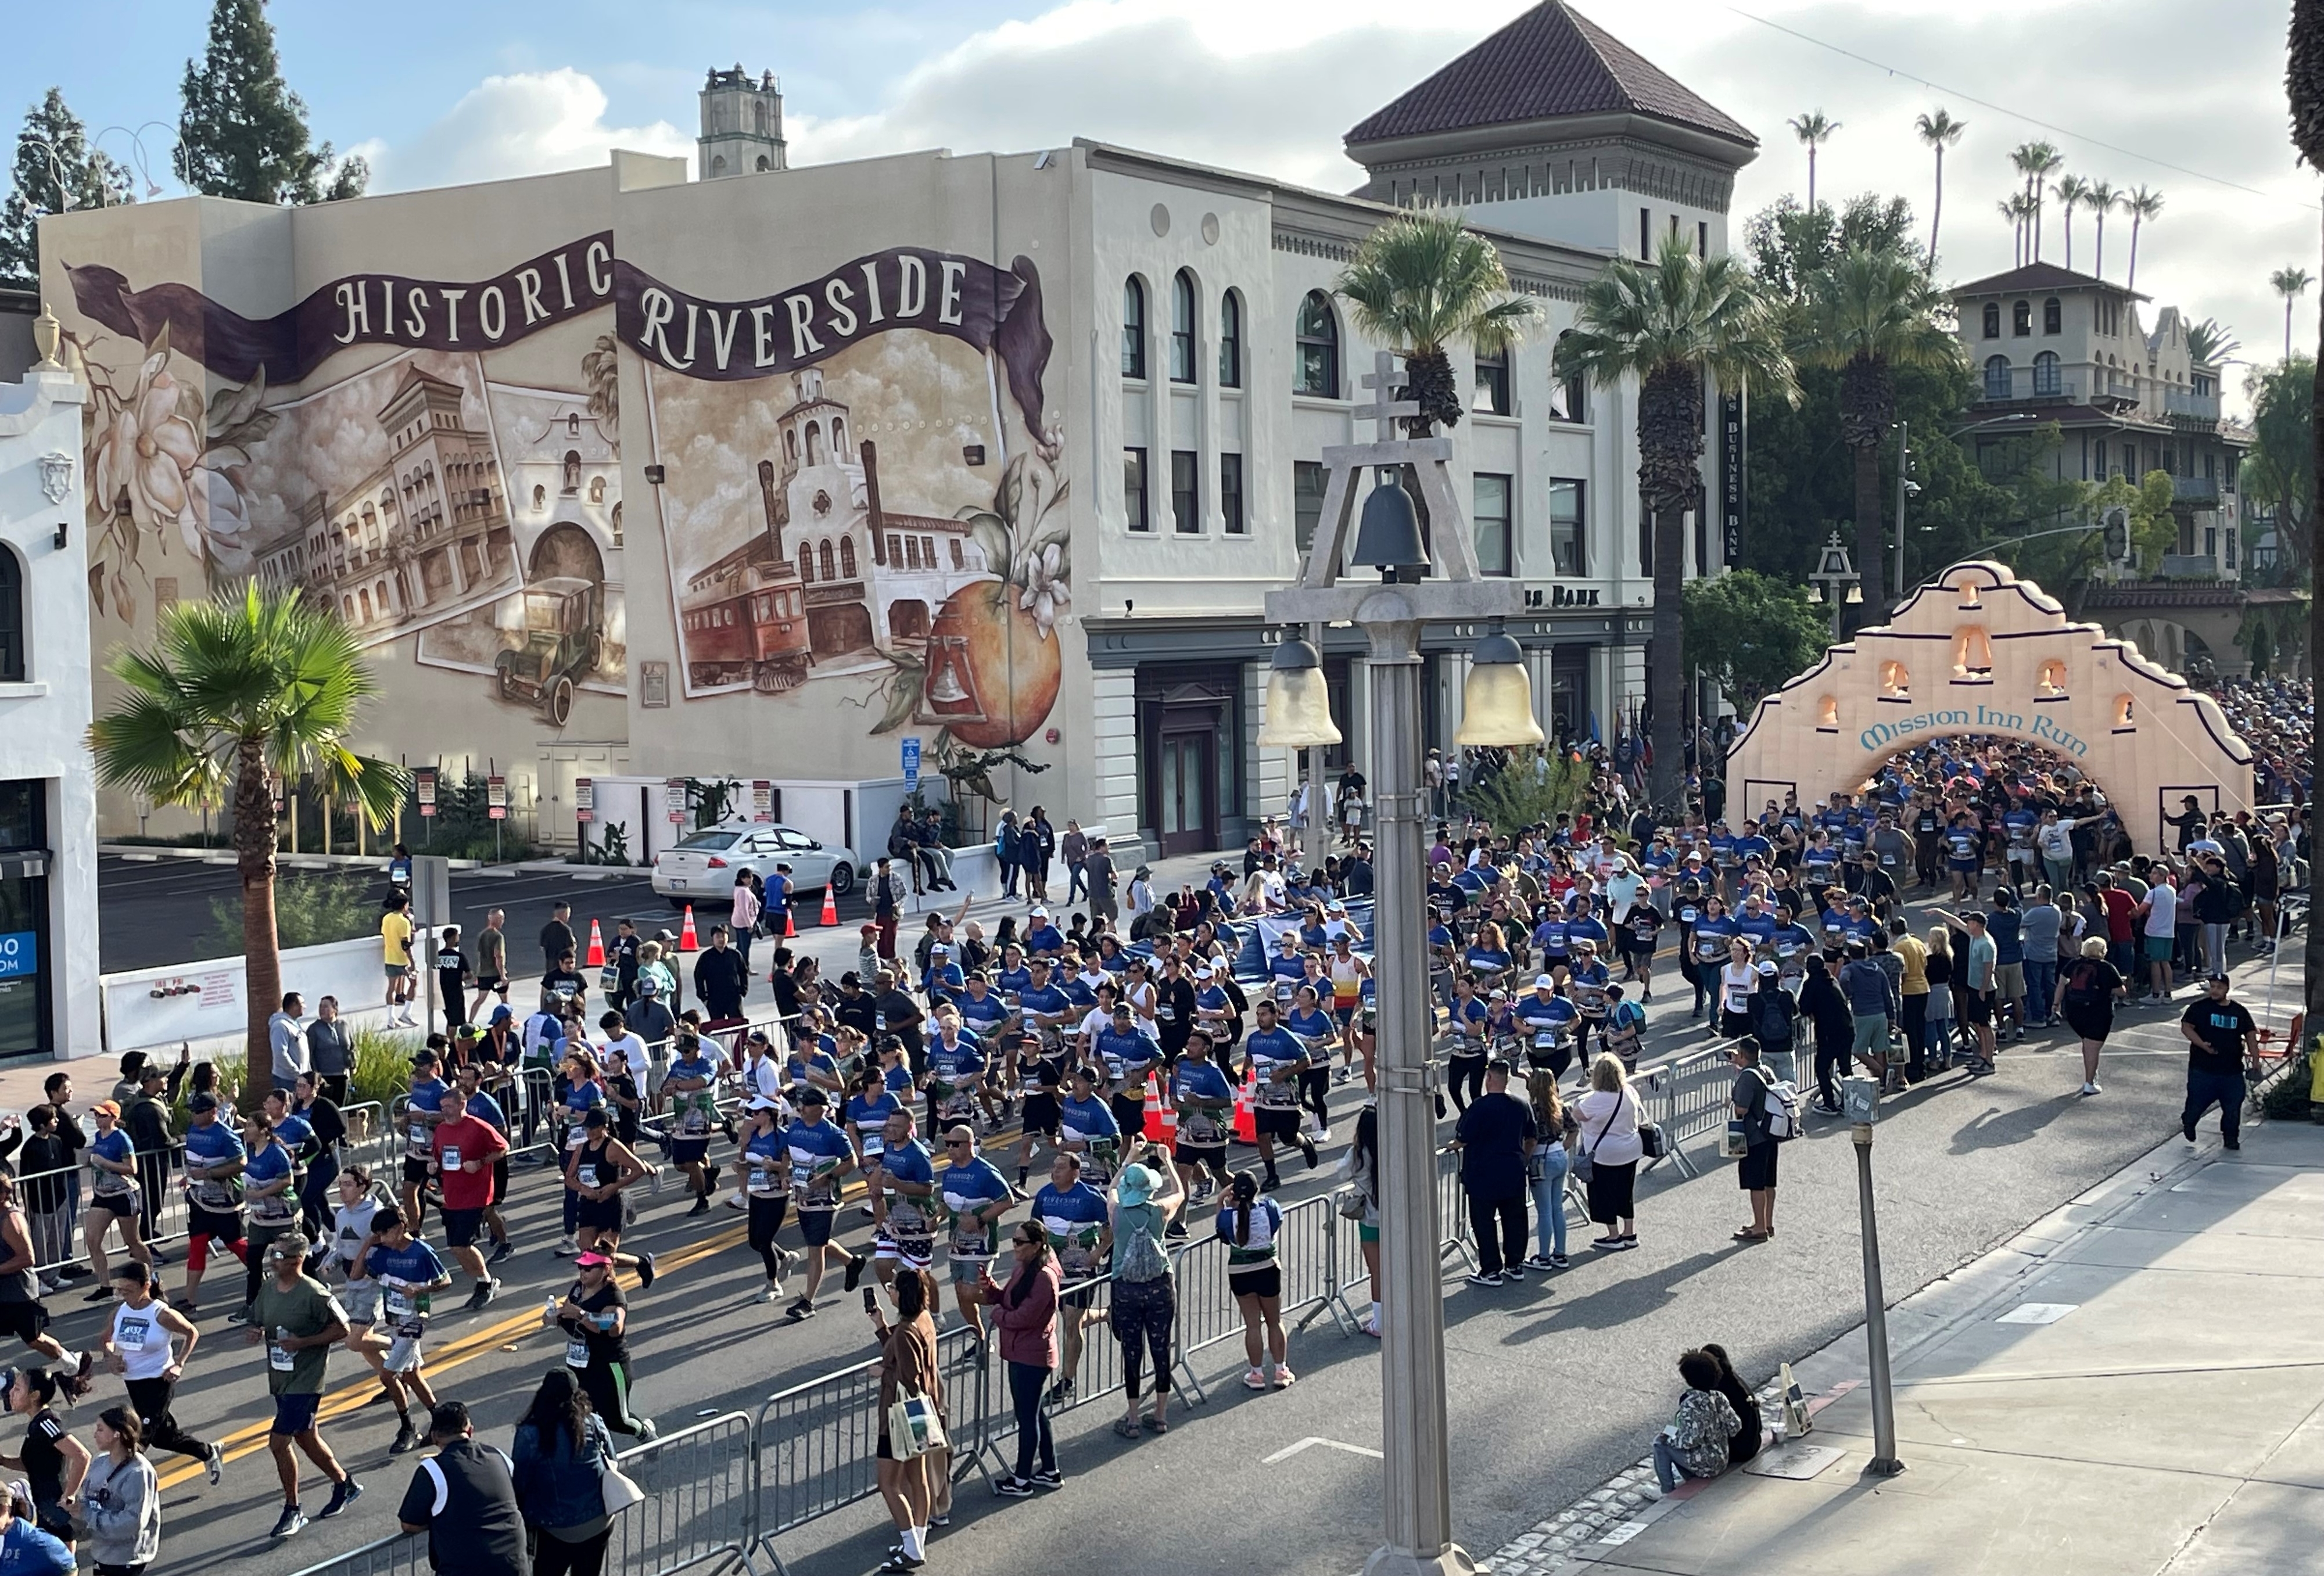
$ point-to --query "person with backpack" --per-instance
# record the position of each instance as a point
(1770, 1113)
(2086, 999)
(1773, 1018)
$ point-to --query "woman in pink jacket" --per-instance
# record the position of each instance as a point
(1025, 1314)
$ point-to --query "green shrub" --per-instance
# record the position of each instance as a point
(310, 910)
(2285, 1098)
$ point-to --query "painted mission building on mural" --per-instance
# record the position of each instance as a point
(991, 450)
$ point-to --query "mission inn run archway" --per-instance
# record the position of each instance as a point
(1978, 651)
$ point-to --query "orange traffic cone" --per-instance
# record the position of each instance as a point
(596, 946)
(1246, 1125)
(686, 938)
(1169, 1139)
(790, 930)
(1153, 1123)
(830, 905)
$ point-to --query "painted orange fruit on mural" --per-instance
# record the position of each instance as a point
(992, 670)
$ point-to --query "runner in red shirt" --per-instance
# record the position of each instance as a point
(465, 1146)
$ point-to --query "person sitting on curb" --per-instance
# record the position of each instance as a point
(1694, 1442)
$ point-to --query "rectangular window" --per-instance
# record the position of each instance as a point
(1133, 489)
(1569, 537)
(1186, 492)
(1306, 503)
(2210, 541)
(1703, 237)
(1646, 234)
(2098, 461)
(2231, 546)
(1492, 394)
(1490, 511)
(1230, 494)
(1569, 400)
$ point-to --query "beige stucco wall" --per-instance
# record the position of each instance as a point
(1979, 652)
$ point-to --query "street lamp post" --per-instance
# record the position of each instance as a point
(1861, 1100)
(1497, 709)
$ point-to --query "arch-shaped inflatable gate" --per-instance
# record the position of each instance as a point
(1977, 650)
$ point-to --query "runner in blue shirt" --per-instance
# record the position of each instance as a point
(763, 1168)
(1012, 978)
(214, 1162)
(1127, 1056)
(1587, 982)
(1708, 939)
(866, 1115)
(423, 1109)
(1792, 944)
(1757, 922)
(1086, 1126)
(904, 1188)
(407, 1274)
(1286, 968)
(987, 1016)
(974, 1195)
(691, 1083)
(943, 980)
(1276, 1060)
(810, 1065)
(1205, 1102)
(820, 1157)
(1582, 924)
(1317, 1030)
(1751, 843)
(1548, 1020)
(1075, 1215)
(1214, 1009)
(1044, 1008)
(1487, 956)
(1549, 938)
(1043, 939)
(955, 1077)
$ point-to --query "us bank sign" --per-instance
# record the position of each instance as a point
(1982, 720)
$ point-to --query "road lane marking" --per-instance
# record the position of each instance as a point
(1288, 1450)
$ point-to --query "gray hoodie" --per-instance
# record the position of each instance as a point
(123, 1512)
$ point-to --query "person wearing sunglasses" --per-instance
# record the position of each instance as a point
(975, 1196)
(1024, 1319)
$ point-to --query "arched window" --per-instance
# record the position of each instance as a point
(815, 443)
(1317, 334)
(1568, 397)
(1828, 712)
(1993, 320)
(2021, 318)
(2052, 682)
(1181, 328)
(1997, 377)
(2045, 373)
(838, 439)
(717, 164)
(2054, 316)
(366, 605)
(790, 445)
(823, 560)
(1896, 681)
(617, 523)
(1972, 653)
(572, 471)
(2125, 712)
(806, 562)
(847, 558)
(762, 167)
(596, 489)
(573, 424)
(1133, 327)
(1230, 341)
(12, 618)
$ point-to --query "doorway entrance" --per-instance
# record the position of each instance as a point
(1185, 780)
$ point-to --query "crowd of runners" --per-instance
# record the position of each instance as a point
(1098, 1083)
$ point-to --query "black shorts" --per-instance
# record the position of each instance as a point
(500, 1177)
(1977, 1007)
(119, 1204)
(1043, 1113)
(1277, 1122)
(224, 1227)
(814, 1226)
(25, 1321)
(1733, 1025)
(599, 1214)
(682, 1150)
(1082, 1295)
(1260, 1280)
(1213, 1155)
(463, 1227)
(496, 982)
(415, 1172)
(1756, 1171)
(1130, 1114)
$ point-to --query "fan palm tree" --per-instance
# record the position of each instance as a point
(1669, 324)
(238, 696)
(1867, 313)
(2209, 342)
(2036, 162)
(1940, 131)
(2101, 199)
(2304, 86)
(2290, 284)
(2070, 191)
(1424, 281)
(2018, 209)
(2141, 205)
(1814, 129)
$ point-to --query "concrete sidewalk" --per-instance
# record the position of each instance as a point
(2135, 1386)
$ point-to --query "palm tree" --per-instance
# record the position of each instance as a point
(2036, 162)
(2018, 209)
(2304, 86)
(1868, 312)
(2290, 284)
(2071, 190)
(1423, 282)
(1940, 131)
(1814, 129)
(2210, 343)
(2141, 205)
(2101, 199)
(1669, 324)
(238, 696)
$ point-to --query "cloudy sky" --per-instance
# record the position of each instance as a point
(2184, 96)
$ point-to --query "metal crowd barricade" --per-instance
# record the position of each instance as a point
(1687, 1097)
(1451, 1208)
(700, 1486)
(403, 1555)
(1309, 1254)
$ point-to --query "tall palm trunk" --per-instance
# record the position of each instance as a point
(254, 848)
(2130, 280)
(2098, 267)
(1867, 408)
(1937, 206)
(2304, 86)
(1670, 447)
(2314, 961)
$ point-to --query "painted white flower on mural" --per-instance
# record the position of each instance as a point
(1047, 586)
(149, 451)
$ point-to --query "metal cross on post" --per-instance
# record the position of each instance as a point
(1383, 412)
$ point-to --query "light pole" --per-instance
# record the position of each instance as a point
(1834, 571)
(1861, 1099)
(1497, 710)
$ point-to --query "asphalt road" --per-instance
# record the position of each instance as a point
(1554, 1385)
(151, 915)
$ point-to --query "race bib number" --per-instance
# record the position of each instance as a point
(576, 1353)
(906, 1221)
(130, 1336)
(279, 1358)
(761, 1183)
(417, 1141)
(874, 1145)
(451, 1161)
(1278, 1096)
(400, 1304)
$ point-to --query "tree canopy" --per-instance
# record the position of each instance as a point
(2279, 473)
(56, 169)
(242, 132)
(1749, 632)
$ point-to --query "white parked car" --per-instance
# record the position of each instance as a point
(702, 867)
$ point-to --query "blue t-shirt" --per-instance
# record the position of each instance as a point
(1271, 1050)
(1486, 960)
(485, 1110)
(2005, 926)
(1075, 1219)
(909, 1162)
(872, 1114)
(942, 981)
(1760, 927)
(1962, 845)
(797, 1070)
(973, 1184)
(1588, 987)
(212, 1145)
(416, 1264)
(26, 1551)
(695, 1066)
(117, 1146)
(1745, 847)
(1044, 1001)
(579, 1099)
(1044, 938)
(987, 1015)
(1091, 1119)
(1125, 1053)
(761, 1157)
(271, 1163)
(1791, 940)
(956, 1063)
(1550, 935)
(1711, 938)
(1309, 1026)
(1536, 1013)
(293, 1129)
(811, 1144)
(1200, 1081)
(1013, 981)
(1583, 927)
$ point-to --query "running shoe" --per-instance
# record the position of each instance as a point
(503, 1249)
(1605, 1244)
(1323, 1135)
(213, 1463)
(483, 1293)
(566, 1247)
(701, 1206)
(772, 1292)
(1284, 1377)
(1013, 1487)
(647, 1431)
(1475, 1278)
(799, 1310)
(1513, 1272)
(855, 1271)
(1307, 1150)
(1557, 1261)
(101, 1294)
(344, 1493)
(289, 1522)
(1270, 1184)
(2090, 1088)
(645, 1270)
(1252, 1379)
(1048, 1478)
(2232, 1145)
(1538, 1262)
(407, 1438)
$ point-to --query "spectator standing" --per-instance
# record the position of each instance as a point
(1007, 853)
(1098, 875)
(1755, 1175)
(1773, 1018)
(1037, 840)
(1496, 1136)
(1873, 1006)
(45, 1161)
(908, 1367)
(286, 1038)
(721, 978)
(1979, 967)
(743, 920)
(464, 1497)
(147, 1118)
(1607, 1118)
(1545, 1170)
(2158, 936)
(1074, 849)
(559, 1456)
(1025, 1314)
(331, 1051)
(2037, 933)
(1145, 1302)
(2220, 1036)
(396, 949)
(491, 969)
(120, 1501)
(556, 936)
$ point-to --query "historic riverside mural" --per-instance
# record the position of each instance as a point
(859, 480)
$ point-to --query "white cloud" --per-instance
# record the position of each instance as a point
(529, 122)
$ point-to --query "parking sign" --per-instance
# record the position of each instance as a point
(912, 764)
